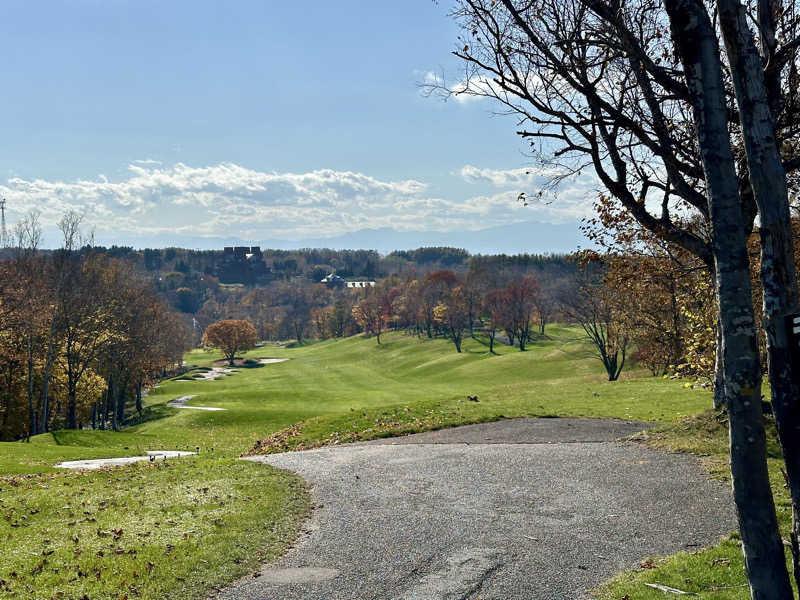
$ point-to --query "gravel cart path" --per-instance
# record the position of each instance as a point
(518, 509)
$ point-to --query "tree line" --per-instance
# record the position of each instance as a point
(81, 335)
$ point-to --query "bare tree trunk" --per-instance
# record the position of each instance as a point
(32, 425)
(114, 393)
(139, 397)
(106, 397)
(72, 400)
(768, 179)
(762, 546)
(44, 393)
(72, 417)
(69, 226)
(719, 372)
(120, 401)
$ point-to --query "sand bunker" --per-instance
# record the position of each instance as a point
(214, 373)
(181, 403)
(269, 361)
(98, 463)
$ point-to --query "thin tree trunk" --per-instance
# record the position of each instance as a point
(106, 398)
(72, 393)
(139, 397)
(114, 390)
(72, 416)
(32, 425)
(122, 393)
(44, 394)
(762, 546)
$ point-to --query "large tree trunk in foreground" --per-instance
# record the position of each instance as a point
(762, 546)
(768, 179)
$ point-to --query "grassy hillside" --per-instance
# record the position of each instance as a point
(184, 523)
(557, 376)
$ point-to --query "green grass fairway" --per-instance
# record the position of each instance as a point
(337, 390)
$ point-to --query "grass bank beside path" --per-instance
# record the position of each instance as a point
(715, 573)
(173, 529)
(180, 529)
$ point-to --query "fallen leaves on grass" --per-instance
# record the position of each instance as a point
(387, 423)
(278, 441)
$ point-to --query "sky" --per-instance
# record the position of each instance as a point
(194, 122)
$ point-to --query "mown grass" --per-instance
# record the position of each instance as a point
(328, 392)
(144, 531)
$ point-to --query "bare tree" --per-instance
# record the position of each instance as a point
(64, 265)
(28, 234)
(593, 304)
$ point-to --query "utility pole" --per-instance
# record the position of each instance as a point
(3, 232)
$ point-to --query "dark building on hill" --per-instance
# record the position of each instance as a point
(243, 264)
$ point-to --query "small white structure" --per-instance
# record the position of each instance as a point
(360, 284)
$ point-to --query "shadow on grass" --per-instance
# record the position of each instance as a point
(156, 412)
(250, 364)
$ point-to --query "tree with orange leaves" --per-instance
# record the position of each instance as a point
(230, 336)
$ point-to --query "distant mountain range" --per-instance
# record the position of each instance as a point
(528, 237)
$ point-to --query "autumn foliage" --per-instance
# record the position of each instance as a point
(230, 336)
(81, 336)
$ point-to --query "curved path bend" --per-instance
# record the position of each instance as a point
(517, 509)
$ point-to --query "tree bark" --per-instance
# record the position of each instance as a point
(139, 397)
(44, 393)
(719, 372)
(32, 425)
(121, 396)
(114, 392)
(695, 40)
(72, 393)
(778, 277)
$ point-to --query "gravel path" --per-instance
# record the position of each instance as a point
(519, 509)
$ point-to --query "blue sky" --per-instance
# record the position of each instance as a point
(258, 120)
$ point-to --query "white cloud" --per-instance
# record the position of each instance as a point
(508, 177)
(572, 198)
(228, 200)
(465, 91)
(498, 177)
